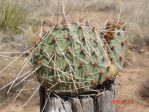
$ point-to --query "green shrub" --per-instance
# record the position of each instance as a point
(12, 16)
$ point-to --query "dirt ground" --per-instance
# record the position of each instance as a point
(133, 85)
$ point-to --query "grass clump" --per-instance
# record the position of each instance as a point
(12, 16)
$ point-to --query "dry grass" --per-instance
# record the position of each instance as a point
(134, 12)
(12, 16)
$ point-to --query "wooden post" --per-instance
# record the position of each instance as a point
(101, 102)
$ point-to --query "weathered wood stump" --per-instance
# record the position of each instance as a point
(100, 101)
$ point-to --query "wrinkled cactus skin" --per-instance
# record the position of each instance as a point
(74, 59)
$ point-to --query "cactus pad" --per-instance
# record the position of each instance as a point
(74, 59)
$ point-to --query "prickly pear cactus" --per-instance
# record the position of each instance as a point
(74, 59)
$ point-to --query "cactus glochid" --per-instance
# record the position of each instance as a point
(73, 59)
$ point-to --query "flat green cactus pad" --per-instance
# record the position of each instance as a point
(74, 59)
